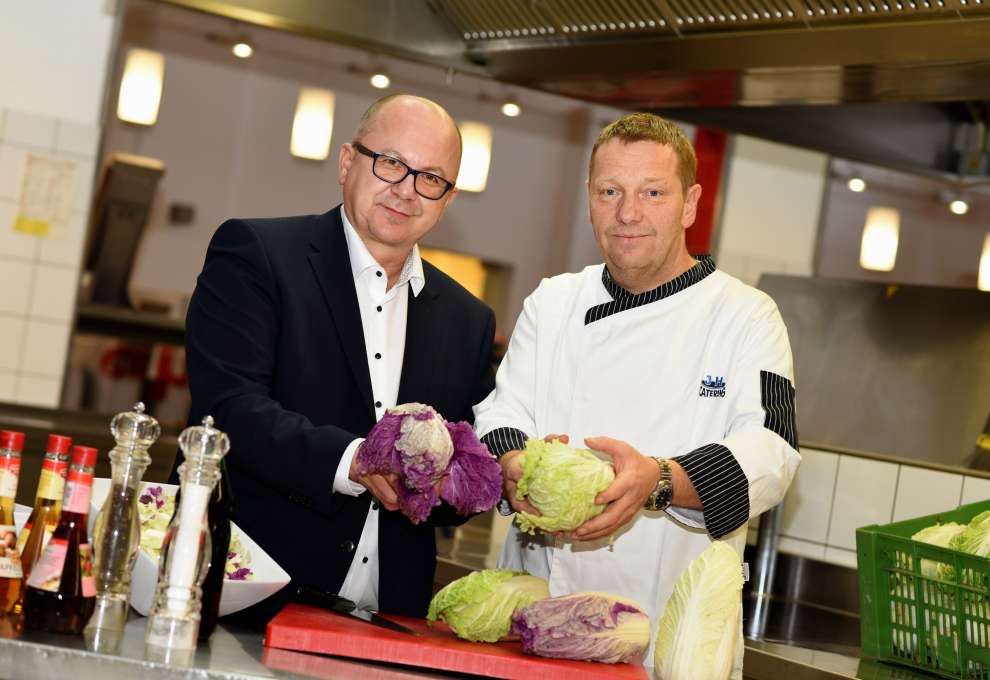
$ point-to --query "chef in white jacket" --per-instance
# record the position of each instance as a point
(678, 371)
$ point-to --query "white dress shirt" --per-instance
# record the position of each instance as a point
(383, 321)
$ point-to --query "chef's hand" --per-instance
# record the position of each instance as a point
(636, 477)
(382, 487)
(511, 462)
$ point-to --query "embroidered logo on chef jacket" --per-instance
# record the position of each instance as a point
(712, 387)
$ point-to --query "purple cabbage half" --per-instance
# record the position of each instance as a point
(584, 626)
(416, 444)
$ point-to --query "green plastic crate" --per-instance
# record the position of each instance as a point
(940, 625)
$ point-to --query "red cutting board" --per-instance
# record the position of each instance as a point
(309, 629)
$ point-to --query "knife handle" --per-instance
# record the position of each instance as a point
(318, 598)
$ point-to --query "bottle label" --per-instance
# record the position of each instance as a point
(26, 533)
(10, 470)
(78, 489)
(47, 573)
(86, 579)
(10, 556)
(52, 482)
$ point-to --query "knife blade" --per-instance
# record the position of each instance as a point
(341, 605)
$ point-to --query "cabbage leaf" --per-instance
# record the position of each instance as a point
(479, 606)
(561, 482)
(699, 630)
(585, 626)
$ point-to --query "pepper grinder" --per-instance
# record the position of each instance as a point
(173, 624)
(116, 533)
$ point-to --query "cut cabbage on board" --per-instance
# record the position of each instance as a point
(584, 626)
(479, 606)
(562, 483)
(699, 630)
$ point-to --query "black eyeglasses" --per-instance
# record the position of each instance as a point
(392, 170)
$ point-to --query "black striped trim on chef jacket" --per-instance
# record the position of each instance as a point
(777, 399)
(721, 486)
(504, 439)
(622, 299)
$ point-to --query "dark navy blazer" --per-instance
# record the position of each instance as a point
(276, 354)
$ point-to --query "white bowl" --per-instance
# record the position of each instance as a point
(268, 579)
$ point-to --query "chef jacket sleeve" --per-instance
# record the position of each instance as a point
(748, 471)
(506, 417)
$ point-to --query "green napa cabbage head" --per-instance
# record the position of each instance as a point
(975, 538)
(479, 606)
(561, 482)
(941, 535)
(699, 630)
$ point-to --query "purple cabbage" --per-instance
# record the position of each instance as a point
(414, 442)
(584, 626)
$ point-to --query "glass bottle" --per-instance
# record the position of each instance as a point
(61, 590)
(218, 513)
(11, 445)
(116, 532)
(175, 613)
(47, 507)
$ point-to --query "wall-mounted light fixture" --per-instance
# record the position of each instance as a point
(312, 126)
(141, 86)
(476, 155)
(878, 249)
(983, 279)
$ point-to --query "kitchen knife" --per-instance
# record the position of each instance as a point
(341, 605)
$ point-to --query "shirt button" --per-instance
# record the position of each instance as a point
(378, 355)
(347, 546)
(378, 404)
(364, 560)
(378, 274)
(379, 308)
(374, 506)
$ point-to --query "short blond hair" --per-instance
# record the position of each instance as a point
(649, 127)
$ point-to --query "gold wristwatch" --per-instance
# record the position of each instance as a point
(664, 493)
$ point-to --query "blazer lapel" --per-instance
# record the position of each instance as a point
(332, 267)
(424, 345)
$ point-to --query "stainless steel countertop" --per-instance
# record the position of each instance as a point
(239, 653)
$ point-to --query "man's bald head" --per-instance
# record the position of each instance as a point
(373, 114)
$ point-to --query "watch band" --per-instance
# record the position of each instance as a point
(663, 494)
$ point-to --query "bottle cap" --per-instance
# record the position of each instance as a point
(58, 443)
(134, 428)
(204, 441)
(83, 456)
(10, 440)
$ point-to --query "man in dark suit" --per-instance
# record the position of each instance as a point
(303, 330)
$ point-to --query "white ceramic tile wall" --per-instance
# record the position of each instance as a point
(975, 489)
(808, 505)
(840, 556)
(8, 382)
(38, 390)
(39, 276)
(27, 129)
(864, 494)
(15, 285)
(926, 492)
(12, 330)
(843, 493)
(795, 546)
(45, 348)
(54, 294)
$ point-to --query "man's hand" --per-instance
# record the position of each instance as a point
(636, 476)
(382, 487)
(511, 462)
